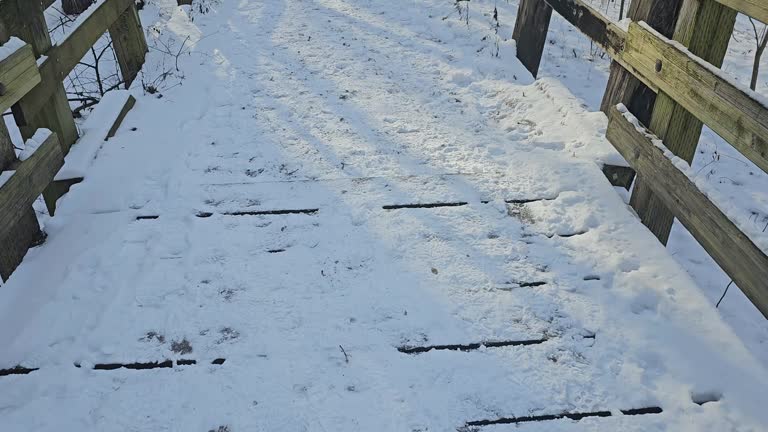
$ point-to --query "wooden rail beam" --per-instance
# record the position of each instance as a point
(18, 223)
(25, 19)
(599, 28)
(62, 58)
(129, 42)
(732, 112)
(29, 180)
(705, 27)
(532, 27)
(757, 9)
(18, 74)
(625, 88)
(744, 262)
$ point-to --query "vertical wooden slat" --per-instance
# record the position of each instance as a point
(623, 87)
(26, 231)
(731, 248)
(530, 32)
(129, 42)
(705, 27)
(7, 153)
(26, 234)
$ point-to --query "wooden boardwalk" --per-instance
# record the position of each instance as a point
(341, 229)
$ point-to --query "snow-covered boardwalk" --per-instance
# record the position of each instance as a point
(345, 220)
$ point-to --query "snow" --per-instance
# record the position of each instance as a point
(348, 106)
(93, 135)
(9, 48)
(5, 176)
(571, 58)
(34, 143)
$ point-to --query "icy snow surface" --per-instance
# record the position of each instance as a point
(342, 112)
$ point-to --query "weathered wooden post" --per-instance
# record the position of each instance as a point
(705, 27)
(74, 7)
(130, 45)
(623, 87)
(26, 232)
(25, 19)
(23, 181)
(533, 18)
(530, 33)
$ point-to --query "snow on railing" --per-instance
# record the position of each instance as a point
(691, 91)
(33, 87)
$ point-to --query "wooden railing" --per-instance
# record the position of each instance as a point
(32, 71)
(688, 90)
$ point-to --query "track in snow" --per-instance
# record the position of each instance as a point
(335, 189)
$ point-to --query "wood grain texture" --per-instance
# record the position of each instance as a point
(693, 93)
(734, 252)
(531, 26)
(26, 231)
(59, 188)
(28, 182)
(62, 58)
(129, 104)
(25, 234)
(705, 28)
(18, 75)
(129, 43)
(599, 28)
(623, 87)
(730, 111)
(7, 150)
(24, 19)
(755, 8)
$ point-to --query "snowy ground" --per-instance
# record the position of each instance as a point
(342, 112)
(742, 188)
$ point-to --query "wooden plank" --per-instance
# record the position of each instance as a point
(18, 75)
(129, 43)
(530, 32)
(7, 150)
(705, 27)
(592, 23)
(625, 88)
(755, 8)
(744, 262)
(25, 19)
(586, 19)
(62, 59)
(730, 111)
(66, 55)
(84, 149)
(24, 235)
(28, 182)
(129, 104)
